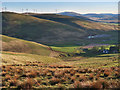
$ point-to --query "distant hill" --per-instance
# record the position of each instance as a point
(51, 29)
(107, 18)
(74, 14)
(69, 14)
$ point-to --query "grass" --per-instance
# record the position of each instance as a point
(35, 29)
(104, 60)
(80, 22)
(23, 46)
(9, 58)
(52, 29)
(67, 49)
(36, 75)
(111, 23)
(71, 48)
(27, 64)
(22, 70)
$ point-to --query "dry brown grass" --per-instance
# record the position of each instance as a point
(15, 46)
(41, 76)
(26, 84)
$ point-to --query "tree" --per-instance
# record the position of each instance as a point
(95, 49)
(103, 48)
(78, 51)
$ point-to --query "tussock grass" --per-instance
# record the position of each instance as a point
(41, 76)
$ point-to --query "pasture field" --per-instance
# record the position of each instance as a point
(73, 48)
(67, 49)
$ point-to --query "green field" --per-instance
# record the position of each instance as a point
(68, 49)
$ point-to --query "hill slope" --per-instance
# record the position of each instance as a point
(9, 58)
(39, 30)
(81, 22)
(53, 29)
(17, 45)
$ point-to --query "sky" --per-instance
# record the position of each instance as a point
(60, 0)
(53, 7)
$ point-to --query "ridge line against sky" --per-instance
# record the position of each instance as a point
(56, 7)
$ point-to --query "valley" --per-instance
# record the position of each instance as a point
(58, 51)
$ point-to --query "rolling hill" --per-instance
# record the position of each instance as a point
(82, 23)
(10, 44)
(38, 30)
(53, 29)
(18, 51)
(74, 14)
(104, 18)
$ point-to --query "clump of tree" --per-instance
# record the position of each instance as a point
(78, 51)
(93, 51)
(106, 49)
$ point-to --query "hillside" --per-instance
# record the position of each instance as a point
(53, 29)
(81, 22)
(39, 30)
(22, 46)
(9, 58)
(56, 51)
(104, 18)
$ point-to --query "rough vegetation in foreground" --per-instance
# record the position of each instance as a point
(40, 75)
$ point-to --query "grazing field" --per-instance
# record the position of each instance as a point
(67, 49)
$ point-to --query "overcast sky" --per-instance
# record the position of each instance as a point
(52, 7)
